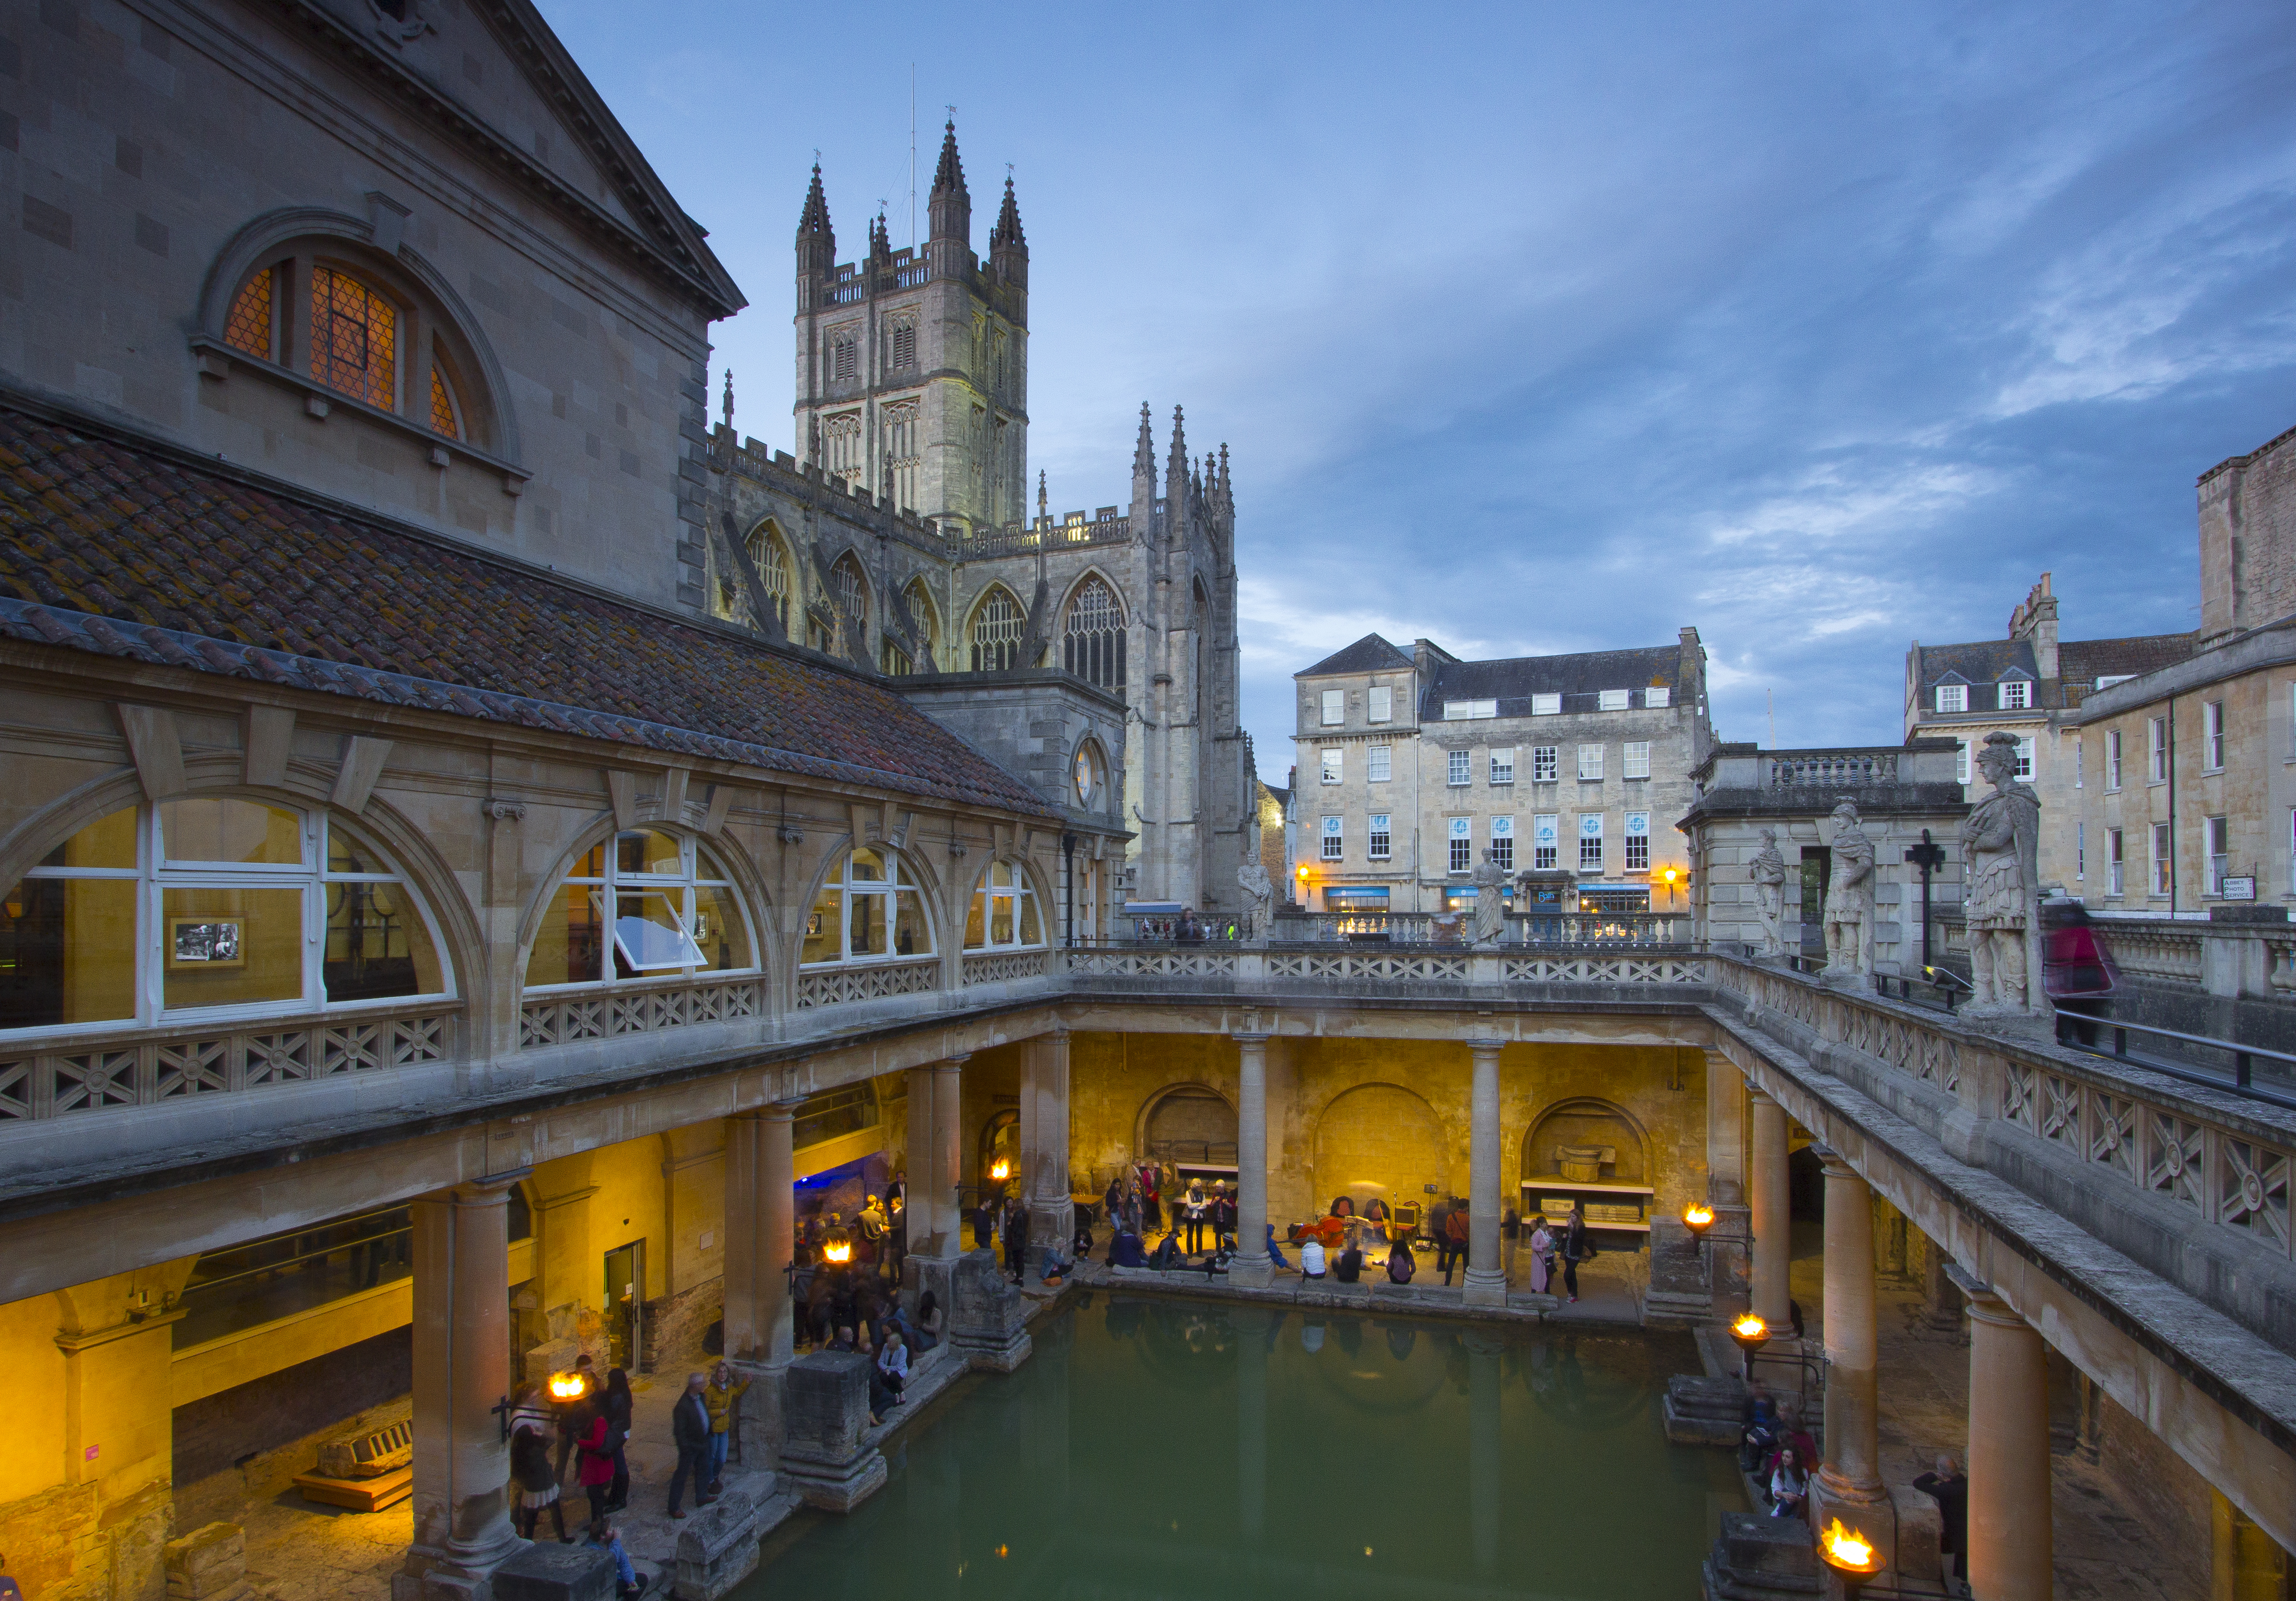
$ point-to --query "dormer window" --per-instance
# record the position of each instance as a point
(1952, 697)
(1458, 711)
(1548, 705)
(2016, 694)
(1611, 699)
(1658, 695)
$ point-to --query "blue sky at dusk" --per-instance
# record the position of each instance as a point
(1540, 328)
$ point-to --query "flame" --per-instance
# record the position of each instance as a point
(1698, 1215)
(1750, 1327)
(566, 1386)
(1849, 1548)
(1000, 1169)
(837, 1250)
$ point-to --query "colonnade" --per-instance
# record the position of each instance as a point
(2010, 1556)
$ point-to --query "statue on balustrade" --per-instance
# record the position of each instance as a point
(1490, 899)
(1998, 841)
(1769, 871)
(1258, 900)
(1849, 902)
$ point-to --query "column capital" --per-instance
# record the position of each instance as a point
(772, 1111)
(1483, 1046)
(1835, 1163)
(1760, 1097)
(952, 1062)
(1247, 1038)
(1985, 1302)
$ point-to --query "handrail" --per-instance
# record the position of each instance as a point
(2241, 1083)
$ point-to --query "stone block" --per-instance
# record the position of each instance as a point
(556, 1572)
(1698, 1410)
(988, 1314)
(717, 1546)
(207, 1564)
(825, 1413)
(1760, 1559)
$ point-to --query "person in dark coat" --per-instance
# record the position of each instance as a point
(538, 1486)
(1454, 1240)
(1016, 1237)
(1574, 1250)
(1950, 1489)
(689, 1429)
(619, 1406)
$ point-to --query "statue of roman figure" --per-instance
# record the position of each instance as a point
(1998, 841)
(1258, 899)
(1769, 871)
(1490, 903)
(1850, 900)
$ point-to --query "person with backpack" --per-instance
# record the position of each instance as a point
(1455, 1241)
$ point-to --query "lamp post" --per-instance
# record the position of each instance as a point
(1929, 856)
(1852, 1556)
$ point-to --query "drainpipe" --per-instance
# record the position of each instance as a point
(1068, 882)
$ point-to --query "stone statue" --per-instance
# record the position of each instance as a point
(1490, 899)
(1998, 840)
(1258, 899)
(1769, 871)
(1849, 900)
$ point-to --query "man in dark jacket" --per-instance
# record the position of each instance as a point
(1951, 1491)
(689, 1428)
(1016, 1238)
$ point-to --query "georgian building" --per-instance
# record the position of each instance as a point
(1412, 764)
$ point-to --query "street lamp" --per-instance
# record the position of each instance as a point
(1852, 1556)
(1751, 1333)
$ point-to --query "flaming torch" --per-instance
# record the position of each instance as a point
(1851, 1556)
(1001, 1169)
(837, 1250)
(567, 1386)
(1698, 1217)
(1751, 1333)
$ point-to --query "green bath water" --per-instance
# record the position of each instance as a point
(1157, 1448)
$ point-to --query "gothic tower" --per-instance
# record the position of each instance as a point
(913, 364)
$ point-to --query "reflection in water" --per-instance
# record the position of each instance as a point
(1156, 1447)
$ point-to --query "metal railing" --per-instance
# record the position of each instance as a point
(2109, 1038)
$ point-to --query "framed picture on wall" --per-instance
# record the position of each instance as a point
(196, 942)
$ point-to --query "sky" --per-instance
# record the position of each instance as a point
(1533, 328)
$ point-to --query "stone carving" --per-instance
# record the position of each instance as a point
(1849, 900)
(1490, 899)
(1998, 840)
(1258, 899)
(1769, 871)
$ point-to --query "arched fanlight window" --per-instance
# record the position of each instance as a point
(210, 903)
(1092, 636)
(660, 904)
(871, 909)
(1005, 913)
(998, 625)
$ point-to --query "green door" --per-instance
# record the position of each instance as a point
(625, 1305)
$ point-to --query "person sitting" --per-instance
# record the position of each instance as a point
(1349, 1268)
(1311, 1258)
(1125, 1251)
(1274, 1254)
(628, 1581)
(888, 1375)
(922, 1333)
(1167, 1255)
(1343, 1207)
(1758, 1436)
(1400, 1263)
(1056, 1266)
(1789, 1485)
(843, 1340)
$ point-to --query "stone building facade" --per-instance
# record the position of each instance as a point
(1411, 765)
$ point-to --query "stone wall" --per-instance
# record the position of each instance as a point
(211, 1436)
(2248, 538)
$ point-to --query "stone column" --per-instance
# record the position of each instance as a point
(2010, 1555)
(462, 1372)
(1487, 1283)
(1766, 1193)
(1044, 1146)
(1725, 1136)
(1851, 1479)
(948, 1156)
(761, 1232)
(1250, 1265)
(919, 1208)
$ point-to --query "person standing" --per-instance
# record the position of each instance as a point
(572, 1410)
(1510, 1238)
(1950, 1489)
(529, 1465)
(1194, 1205)
(1113, 1203)
(1224, 1218)
(594, 1464)
(619, 1407)
(724, 1392)
(1152, 1206)
(689, 1430)
(1016, 1238)
(1575, 1249)
(1542, 1255)
(1455, 1236)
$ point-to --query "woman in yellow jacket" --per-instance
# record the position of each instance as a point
(724, 1391)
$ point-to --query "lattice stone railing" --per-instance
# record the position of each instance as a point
(147, 1067)
(1357, 965)
(1905, 1042)
(834, 986)
(1609, 970)
(994, 967)
(629, 1009)
(1152, 962)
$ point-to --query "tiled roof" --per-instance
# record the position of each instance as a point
(1369, 654)
(128, 550)
(1512, 680)
(2086, 661)
(2080, 662)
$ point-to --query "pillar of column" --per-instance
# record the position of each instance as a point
(1725, 1138)
(1851, 1478)
(918, 1207)
(948, 1156)
(1766, 1190)
(462, 1376)
(1250, 1265)
(760, 1234)
(1487, 1283)
(1044, 1146)
(2010, 1555)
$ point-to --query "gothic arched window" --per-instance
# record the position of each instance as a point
(852, 602)
(1092, 636)
(841, 446)
(919, 601)
(903, 455)
(996, 629)
(771, 554)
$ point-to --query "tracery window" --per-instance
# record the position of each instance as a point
(444, 414)
(1091, 636)
(661, 903)
(852, 602)
(902, 454)
(773, 559)
(997, 626)
(1004, 914)
(902, 346)
(871, 908)
(249, 326)
(208, 903)
(841, 447)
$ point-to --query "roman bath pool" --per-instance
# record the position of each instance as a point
(1165, 1447)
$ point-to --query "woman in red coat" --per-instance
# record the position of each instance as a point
(597, 1463)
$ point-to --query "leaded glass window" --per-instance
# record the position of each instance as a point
(1091, 636)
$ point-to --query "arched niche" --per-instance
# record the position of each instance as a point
(1586, 1121)
(1379, 1142)
(1190, 1122)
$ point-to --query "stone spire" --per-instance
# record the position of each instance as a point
(817, 241)
(881, 240)
(1227, 496)
(1144, 454)
(950, 203)
(1175, 464)
(729, 398)
(1008, 222)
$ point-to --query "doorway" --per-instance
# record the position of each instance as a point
(625, 1304)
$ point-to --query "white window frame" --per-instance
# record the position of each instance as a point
(1658, 697)
(2216, 850)
(2080, 851)
(1502, 842)
(2112, 758)
(2116, 865)
(1590, 836)
(1459, 768)
(2163, 867)
(1333, 765)
(1466, 711)
(2081, 757)
(1005, 881)
(1545, 842)
(1613, 700)
(1637, 858)
(1379, 704)
(1333, 836)
(2156, 750)
(2212, 736)
(1379, 764)
(2024, 756)
(1590, 762)
(1952, 697)
(1462, 857)
(1634, 759)
(1502, 764)
(1335, 708)
(1546, 764)
(1546, 705)
(899, 879)
(2016, 694)
(1380, 838)
(1961, 761)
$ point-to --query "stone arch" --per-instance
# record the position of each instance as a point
(994, 629)
(1592, 1121)
(1378, 1141)
(1197, 1120)
(772, 950)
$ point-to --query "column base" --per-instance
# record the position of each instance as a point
(1251, 1273)
(762, 1412)
(1485, 1286)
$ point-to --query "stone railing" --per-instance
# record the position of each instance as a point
(874, 980)
(148, 1067)
(2154, 948)
(603, 1014)
(1834, 769)
(1454, 929)
(1107, 526)
(998, 967)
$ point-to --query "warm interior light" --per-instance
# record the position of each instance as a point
(1000, 1169)
(1849, 1550)
(1750, 1327)
(838, 1251)
(566, 1386)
